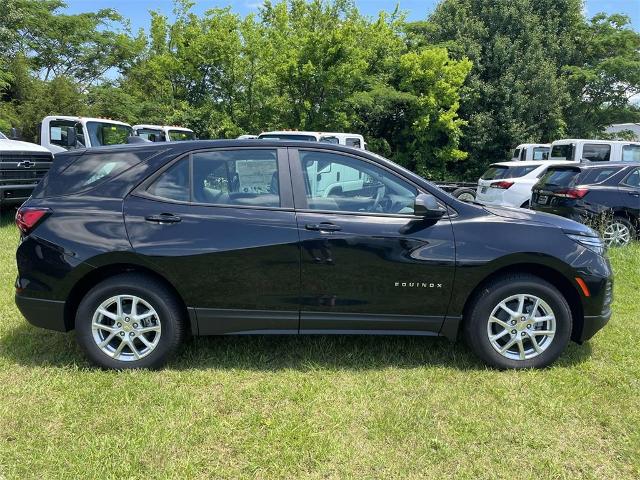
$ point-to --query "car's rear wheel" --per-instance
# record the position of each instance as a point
(129, 321)
(518, 321)
(465, 194)
(618, 232)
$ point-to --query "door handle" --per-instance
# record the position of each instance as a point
(323, 227)
(634, 194)
(163, 218)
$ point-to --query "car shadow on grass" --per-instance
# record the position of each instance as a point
(34, 347)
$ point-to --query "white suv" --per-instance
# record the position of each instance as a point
(509, 184)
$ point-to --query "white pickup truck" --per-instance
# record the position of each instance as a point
(531, 151)
(22, 165)
(62, 133)
(163, 133)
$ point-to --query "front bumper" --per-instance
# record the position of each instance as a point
(15, 194)
(47, 314)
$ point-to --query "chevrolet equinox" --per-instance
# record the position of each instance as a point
(137, 246)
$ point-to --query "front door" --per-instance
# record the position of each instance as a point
(367, 263)
(220, 225)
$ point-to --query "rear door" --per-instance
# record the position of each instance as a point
(367, 263)
(220, 225)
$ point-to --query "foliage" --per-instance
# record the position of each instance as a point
(443, 96)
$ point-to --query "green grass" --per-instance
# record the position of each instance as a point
(320, 407)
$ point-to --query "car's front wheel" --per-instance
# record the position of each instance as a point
(518, 321)
(129, 321)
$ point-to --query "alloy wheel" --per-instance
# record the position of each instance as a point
(616, 234)
(126, 328)
(521, 327)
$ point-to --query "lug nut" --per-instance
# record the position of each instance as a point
(513, 332)
(529, 326)
(126, 319)
(135, 325)
(523, 334)
(119, 325)
(131, 334)
(122, 334)
(513, 322)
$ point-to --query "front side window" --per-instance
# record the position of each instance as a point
(236, 177)
(58, 133)
(595, 152)
(340, 183)
(562, 152)
(181, 135)
(631, 153)
(354, 142)
(104, 133)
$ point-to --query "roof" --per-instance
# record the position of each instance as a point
(532, 163)
(84, 119)
(161, 127)
(588, 165)
(525, 145)
(592, 140)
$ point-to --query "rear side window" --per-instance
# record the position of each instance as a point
(496, 172)
(516, 153)
(631, 153)
(592, 176)
(540, 153)
(88, 171)
(173, 184)
(560, 177)
(353, 142)
(595, 152)
(633, 180)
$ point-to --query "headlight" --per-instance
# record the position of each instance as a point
(595, 244)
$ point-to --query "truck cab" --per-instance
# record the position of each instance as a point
(22, 165)
(59, 133)
(163, 133)
(580, 149)
(353, 140)
(526, 152)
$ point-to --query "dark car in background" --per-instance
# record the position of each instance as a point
(605, 196)
(134, 246)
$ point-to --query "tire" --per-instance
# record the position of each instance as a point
(619, 232)
(465, 193)
(526, 204)
(158, 314)
(478, 323)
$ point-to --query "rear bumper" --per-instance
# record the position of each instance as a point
(47, 314)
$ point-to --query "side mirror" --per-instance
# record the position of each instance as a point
(72, 138)
(426, 206)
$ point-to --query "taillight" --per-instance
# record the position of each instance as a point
(503, 185)
(574, 193)
(28, 217)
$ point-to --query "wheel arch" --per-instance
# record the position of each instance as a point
(549, 274)
(99, 274)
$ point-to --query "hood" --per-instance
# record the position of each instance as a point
(17, 146)
(567, 225)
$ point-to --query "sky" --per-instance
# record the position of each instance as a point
(137, 10)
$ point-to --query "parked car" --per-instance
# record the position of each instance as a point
(59, 133)
(22, 165)
(608, 195)
(135, 246)
(595, 150)
(163, 133)
(531, 151)
(509, 184)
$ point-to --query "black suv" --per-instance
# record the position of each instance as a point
(604, 196)
(136, 246)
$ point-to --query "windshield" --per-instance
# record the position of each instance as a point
(180, 135)
(562, 152)
(151, 134)
(289, 136)
(496, 172)
(105, 133)
(3, 136)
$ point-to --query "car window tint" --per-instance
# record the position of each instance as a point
(540, 153)
(595, 152)
(596, 175)
(340, 183)
(496, 172)
(173, 183)
(561, 177)
(236, 177)
(633, 180)
(631, 153)
(353, 142)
